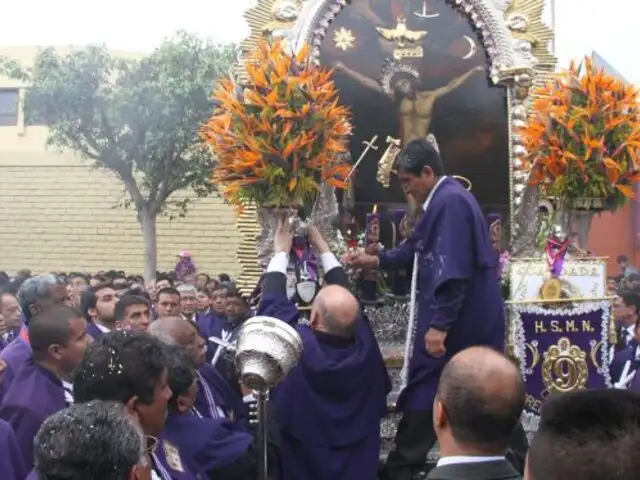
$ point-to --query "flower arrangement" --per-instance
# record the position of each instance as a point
(583, 137)
(280, 136)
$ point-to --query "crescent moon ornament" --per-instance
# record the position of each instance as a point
(472, 47)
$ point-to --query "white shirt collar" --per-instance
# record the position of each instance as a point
(431, 193)
(459, 459)
(102, 328)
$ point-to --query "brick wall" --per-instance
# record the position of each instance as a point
(56, 212)
(58, 215)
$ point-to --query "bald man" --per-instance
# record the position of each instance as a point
(476, 413)
(215, 398)
(330, 406)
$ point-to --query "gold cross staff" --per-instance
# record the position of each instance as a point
(370, 145)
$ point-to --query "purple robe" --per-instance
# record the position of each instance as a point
(330, 405)
(93, 330)
(14, 356)
(12, 466)
(45, 395)
(458, 288)
(210, 324)
(214, 391)
(170, 463)
(212, 443)
(32, 475)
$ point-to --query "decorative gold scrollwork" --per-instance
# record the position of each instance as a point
(595, 350)
(564, 367)
(535, 355)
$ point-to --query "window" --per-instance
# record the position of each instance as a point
(9, 100)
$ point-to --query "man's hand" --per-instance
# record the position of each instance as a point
(361, 260)
(283, 238)
(316, 240)
(434, 342)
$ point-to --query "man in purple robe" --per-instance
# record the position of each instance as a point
(58, 340)
(12, 466)
(89, 440)
(215, 398)
(330, 405)
(36, 295)
(220, 447)
(458, 296)
(129, 367)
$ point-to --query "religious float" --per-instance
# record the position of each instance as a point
(466, 75)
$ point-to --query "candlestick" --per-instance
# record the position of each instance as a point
(372, 235)
(371, 238)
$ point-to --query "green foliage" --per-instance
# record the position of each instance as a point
(136, 118)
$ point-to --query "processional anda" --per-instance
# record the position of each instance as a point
(476, 79)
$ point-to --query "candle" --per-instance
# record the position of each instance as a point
(371, 239)
(372, 231)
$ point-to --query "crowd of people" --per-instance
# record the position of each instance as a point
(105, 378)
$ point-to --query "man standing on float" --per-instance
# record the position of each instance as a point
(457, 295)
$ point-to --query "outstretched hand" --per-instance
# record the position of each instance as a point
(283, 238)
(317, 240)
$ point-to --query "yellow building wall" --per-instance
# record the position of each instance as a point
(56, 213)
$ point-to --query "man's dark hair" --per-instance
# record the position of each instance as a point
(167, 291)
(138, 292)
(92, 440)
(165, 277)
(127, 301)
(477, 416)
(89, 298)
(630, 299)
(587, 435)
(118, 366)
(51, 328)
(623, 259)
(83, 276)
(180, 373)
(234, 293)
(417, 155)
(224, 277)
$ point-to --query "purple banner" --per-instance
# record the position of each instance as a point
(561, 350)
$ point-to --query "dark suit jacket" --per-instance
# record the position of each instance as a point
(498, 470)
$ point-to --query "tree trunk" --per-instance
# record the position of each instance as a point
(148, 226)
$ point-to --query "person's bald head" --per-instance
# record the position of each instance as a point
(335, 311)
(181, 332)
(479, 400)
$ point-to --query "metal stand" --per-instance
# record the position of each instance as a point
(263, 400)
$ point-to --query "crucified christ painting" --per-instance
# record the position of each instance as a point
(415, 110)
(408, 69)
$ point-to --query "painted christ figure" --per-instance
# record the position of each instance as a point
(416, 106)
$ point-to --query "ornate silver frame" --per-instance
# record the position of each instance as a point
(516, 41)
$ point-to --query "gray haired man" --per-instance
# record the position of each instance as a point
(75, 442)
(36, 295)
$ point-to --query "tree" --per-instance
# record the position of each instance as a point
(136, 118)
